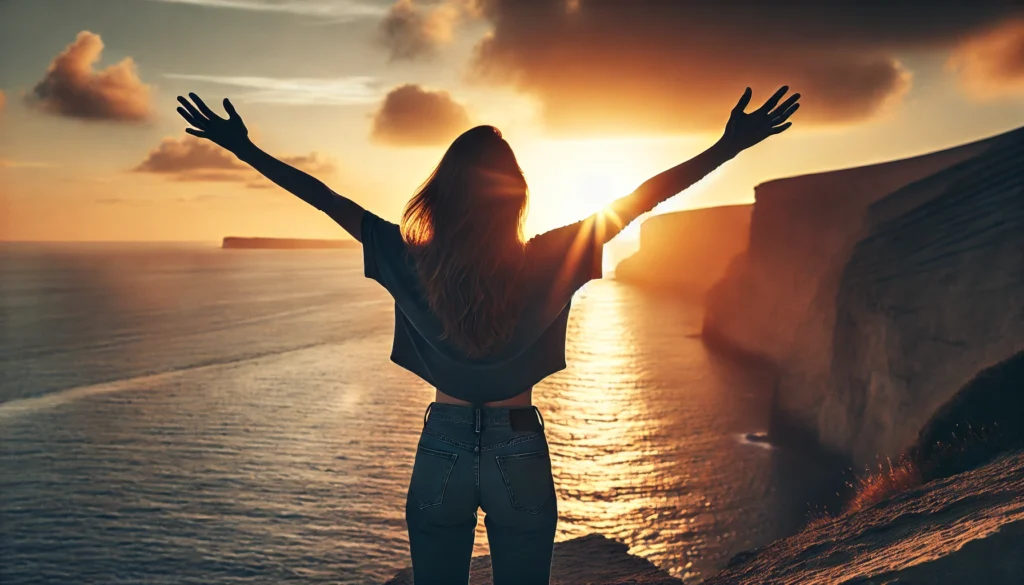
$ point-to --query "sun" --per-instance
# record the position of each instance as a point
(571, 179)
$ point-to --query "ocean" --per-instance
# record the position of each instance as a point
(179, 413)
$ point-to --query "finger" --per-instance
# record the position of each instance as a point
(188, 117)
(195, 132)
(784, 106)
(785, 115)
(203, 107)
(744, 100)
(230, 109)
(198, 120)
(768, 105)
(780, 129)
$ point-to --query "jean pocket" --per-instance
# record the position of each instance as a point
(528, 479)
(430, 473)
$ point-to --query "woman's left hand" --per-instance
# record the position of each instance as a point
(745, 130)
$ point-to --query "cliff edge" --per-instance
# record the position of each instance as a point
(965, 528)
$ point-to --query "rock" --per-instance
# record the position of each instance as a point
(879, 291)
(968, 528)
(687, 251)
(587, 560)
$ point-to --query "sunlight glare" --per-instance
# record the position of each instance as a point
(570, 179)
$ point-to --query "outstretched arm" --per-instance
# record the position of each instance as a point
(741, 132)
(232, 135)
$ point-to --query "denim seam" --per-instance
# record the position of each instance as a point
(448, 440)
(513, 441)
(452, 458)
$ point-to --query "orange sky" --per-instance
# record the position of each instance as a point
(367, 94)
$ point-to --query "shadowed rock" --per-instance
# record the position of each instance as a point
(590, 560)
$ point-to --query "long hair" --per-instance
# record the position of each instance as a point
(464, 227)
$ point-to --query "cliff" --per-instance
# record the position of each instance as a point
(589, 560)
(687, 251)
(967, 528)
(285, 243)
(879, 291)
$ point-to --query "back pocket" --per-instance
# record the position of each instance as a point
(528, 480)
(430, 474)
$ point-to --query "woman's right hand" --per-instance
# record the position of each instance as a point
(745, 130)
(230, 134)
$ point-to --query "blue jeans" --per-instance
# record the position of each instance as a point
(489, 458)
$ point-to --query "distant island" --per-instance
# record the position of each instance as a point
(285, 243)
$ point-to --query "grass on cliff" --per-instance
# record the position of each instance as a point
(890, 479)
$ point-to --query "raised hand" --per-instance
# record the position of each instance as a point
(745, 130)
(230, 134)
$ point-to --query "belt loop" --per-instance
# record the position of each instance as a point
(477, 412)
(426, 413)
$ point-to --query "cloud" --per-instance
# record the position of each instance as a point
(313, 163)
(411, 30)
(664, 67)
(72, 88)
(991, 64)
(296, 91)
(413, 116)
(177, 156)
(337, 10)
(194, 159)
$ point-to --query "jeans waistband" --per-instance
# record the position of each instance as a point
(486, 416)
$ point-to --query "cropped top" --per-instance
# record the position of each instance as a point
(557, 264)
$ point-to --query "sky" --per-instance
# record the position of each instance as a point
(594, 97)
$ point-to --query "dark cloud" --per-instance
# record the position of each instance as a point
(413, 116)
(601, 66)
(991, 64)
(195, 159)
(413, 30)
(74, 89)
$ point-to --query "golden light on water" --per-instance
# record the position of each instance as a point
(597, 418)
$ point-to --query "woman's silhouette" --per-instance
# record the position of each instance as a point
(481, 316)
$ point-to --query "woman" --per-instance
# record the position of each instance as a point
(481, 316)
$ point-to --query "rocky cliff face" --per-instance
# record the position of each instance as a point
(880, 290)
(931, 295)
(687, 251)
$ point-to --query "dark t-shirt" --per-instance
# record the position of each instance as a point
(558, 263)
